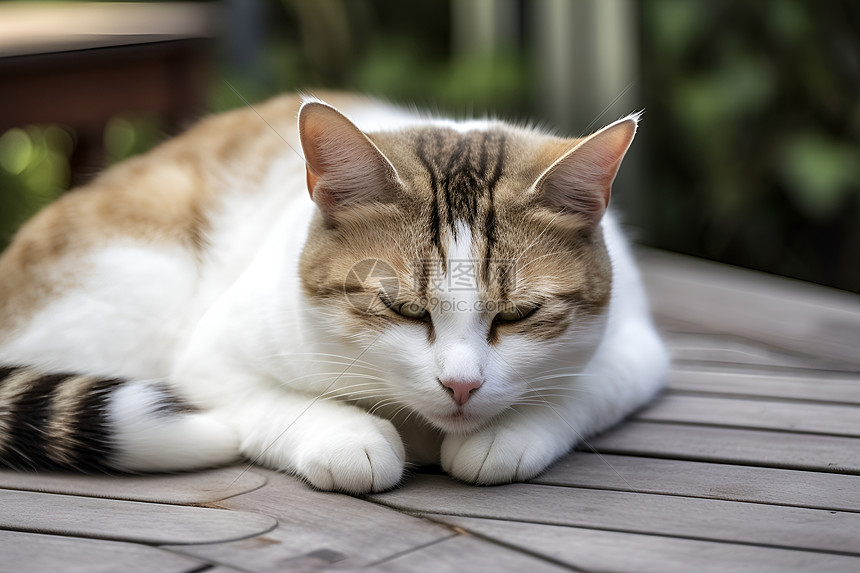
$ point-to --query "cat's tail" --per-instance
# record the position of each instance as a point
(67, 421)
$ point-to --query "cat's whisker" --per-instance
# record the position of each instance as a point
(346, 359)
(566, 368)
(305, 364)
(413, 412)
(381, 405)
(352, 395)
(357, 399)
(570, 375)
(400, 409)
(542, 390)
(341, 375)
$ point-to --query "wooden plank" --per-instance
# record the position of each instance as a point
(126, 520)
(29, 30)
(466, 553)
(317, 528)
(685, 347)
(819, 388)
(37, 553)
(709, 519)
(755, 413)
(715, 481)
(189, 489)
(713, 298)
(733, 446)
(595, 550)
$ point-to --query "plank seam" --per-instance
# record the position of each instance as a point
(674, 391)
(714, 460)
(633, 532)
(716, 365)
(741, 427)
(694, 538)
(515, 548)
(828, 375)
(208, 563)
(551, 483)
(418, 547)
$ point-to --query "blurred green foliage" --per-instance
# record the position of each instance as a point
(34, 170)
(35, 163)
(393, 49)
(754, 134)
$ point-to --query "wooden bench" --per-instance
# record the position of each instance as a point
(78, 65)
(749, 461)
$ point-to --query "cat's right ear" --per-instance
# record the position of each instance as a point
(344, 167)
(580, 181)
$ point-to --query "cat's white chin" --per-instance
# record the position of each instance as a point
(457, 422)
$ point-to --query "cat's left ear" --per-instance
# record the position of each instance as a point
(580, 181)
(344, 167)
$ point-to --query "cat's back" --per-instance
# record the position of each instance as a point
(128, 252)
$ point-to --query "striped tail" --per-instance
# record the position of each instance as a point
(89, 423)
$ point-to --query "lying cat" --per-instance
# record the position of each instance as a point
(451, 292)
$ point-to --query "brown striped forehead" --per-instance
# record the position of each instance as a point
(463, 171)
(454, 177)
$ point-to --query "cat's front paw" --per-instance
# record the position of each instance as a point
(362, 455)
(498, 454)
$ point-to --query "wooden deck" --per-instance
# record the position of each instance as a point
(750, 461)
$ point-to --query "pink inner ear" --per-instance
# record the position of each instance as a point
(343, 166)
(581, 180)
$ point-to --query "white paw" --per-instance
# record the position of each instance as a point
(499, 454)
(364, 454)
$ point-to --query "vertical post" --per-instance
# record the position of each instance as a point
(483, 27)
(585, 60)
(587, 73)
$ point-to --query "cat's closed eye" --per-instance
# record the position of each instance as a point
(514, 313)
(411, 310)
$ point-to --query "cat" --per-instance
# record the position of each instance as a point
(451, 292)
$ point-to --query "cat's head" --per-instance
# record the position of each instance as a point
(465, 261)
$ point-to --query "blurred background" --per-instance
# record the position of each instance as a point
(749, 151)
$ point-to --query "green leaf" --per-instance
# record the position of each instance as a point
(819, 172)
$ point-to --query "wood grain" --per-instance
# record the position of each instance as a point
(37, 553)
(187, 489)
(686, 347)
(466, 553)
(733, 446)
(317, 528)
(803, 319)
(126, 520)
(709, 519)
(756, 413)
(698, 479)
(823, 387)
(595, 550)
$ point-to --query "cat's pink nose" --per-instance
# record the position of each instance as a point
(461, 390)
